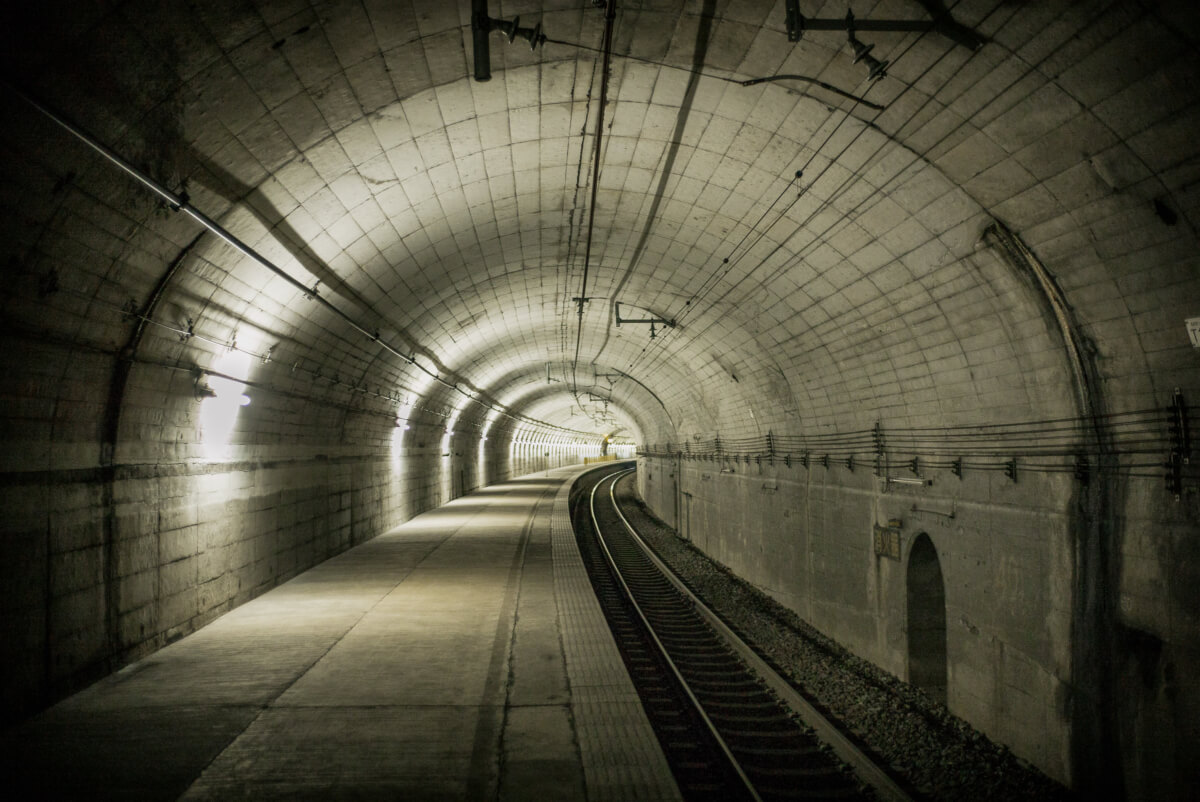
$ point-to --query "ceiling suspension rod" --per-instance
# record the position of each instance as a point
(610, 15)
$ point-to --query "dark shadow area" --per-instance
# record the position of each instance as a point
(926, 596)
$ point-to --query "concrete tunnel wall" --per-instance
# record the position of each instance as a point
(805, 537)
(104, 562)
(1009, 240)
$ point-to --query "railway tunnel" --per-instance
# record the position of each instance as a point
(896, 304)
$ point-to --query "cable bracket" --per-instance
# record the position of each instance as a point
(1181, 444)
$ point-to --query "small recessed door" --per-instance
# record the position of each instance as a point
(926, 619)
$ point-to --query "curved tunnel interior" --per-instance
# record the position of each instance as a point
(284, 274)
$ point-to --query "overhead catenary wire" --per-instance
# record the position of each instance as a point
(717, 77)
(714, 278)
(822, 236)
(607, 53)
(180, 203)
(610, 15)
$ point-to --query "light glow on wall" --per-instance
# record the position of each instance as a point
(218, 413)
(481, 471)
(403, 417)
(449, 436)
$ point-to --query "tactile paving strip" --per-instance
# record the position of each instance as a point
(621, 756)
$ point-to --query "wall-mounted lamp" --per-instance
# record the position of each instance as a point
(202, 389)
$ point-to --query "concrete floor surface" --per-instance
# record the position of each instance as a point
(433, 662)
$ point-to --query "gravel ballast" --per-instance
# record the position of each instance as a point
(936, 754)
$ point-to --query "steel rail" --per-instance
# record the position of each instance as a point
(712, 729)
(864, 767)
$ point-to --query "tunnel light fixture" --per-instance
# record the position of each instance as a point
(202, 389)
(179, 202)
(220, 391)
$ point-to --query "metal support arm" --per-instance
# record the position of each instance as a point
(652, 320)
(941, 22)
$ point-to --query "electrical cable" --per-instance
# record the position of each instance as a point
(819, 238)
(314, 375)
(564, 327)
(180, 203)
(840, 190)
(725, 78)
(714, 278)
(610, 15)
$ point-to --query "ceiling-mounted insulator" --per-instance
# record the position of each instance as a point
(876, 69)
(482, 25)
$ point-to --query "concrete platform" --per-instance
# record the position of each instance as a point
(459, 656)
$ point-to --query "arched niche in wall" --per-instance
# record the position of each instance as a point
(926, 625)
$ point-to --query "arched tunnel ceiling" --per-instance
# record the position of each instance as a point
(819, 256)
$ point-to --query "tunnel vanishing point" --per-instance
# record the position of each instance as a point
(900, 312)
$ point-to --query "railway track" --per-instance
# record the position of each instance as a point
(728, 731)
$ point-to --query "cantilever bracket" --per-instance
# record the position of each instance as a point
(651, 320)
(608, 377)
(1180, 444)
(940, 21)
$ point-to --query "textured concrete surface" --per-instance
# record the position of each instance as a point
(436, 661)
(456, 222)
(805, 536)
